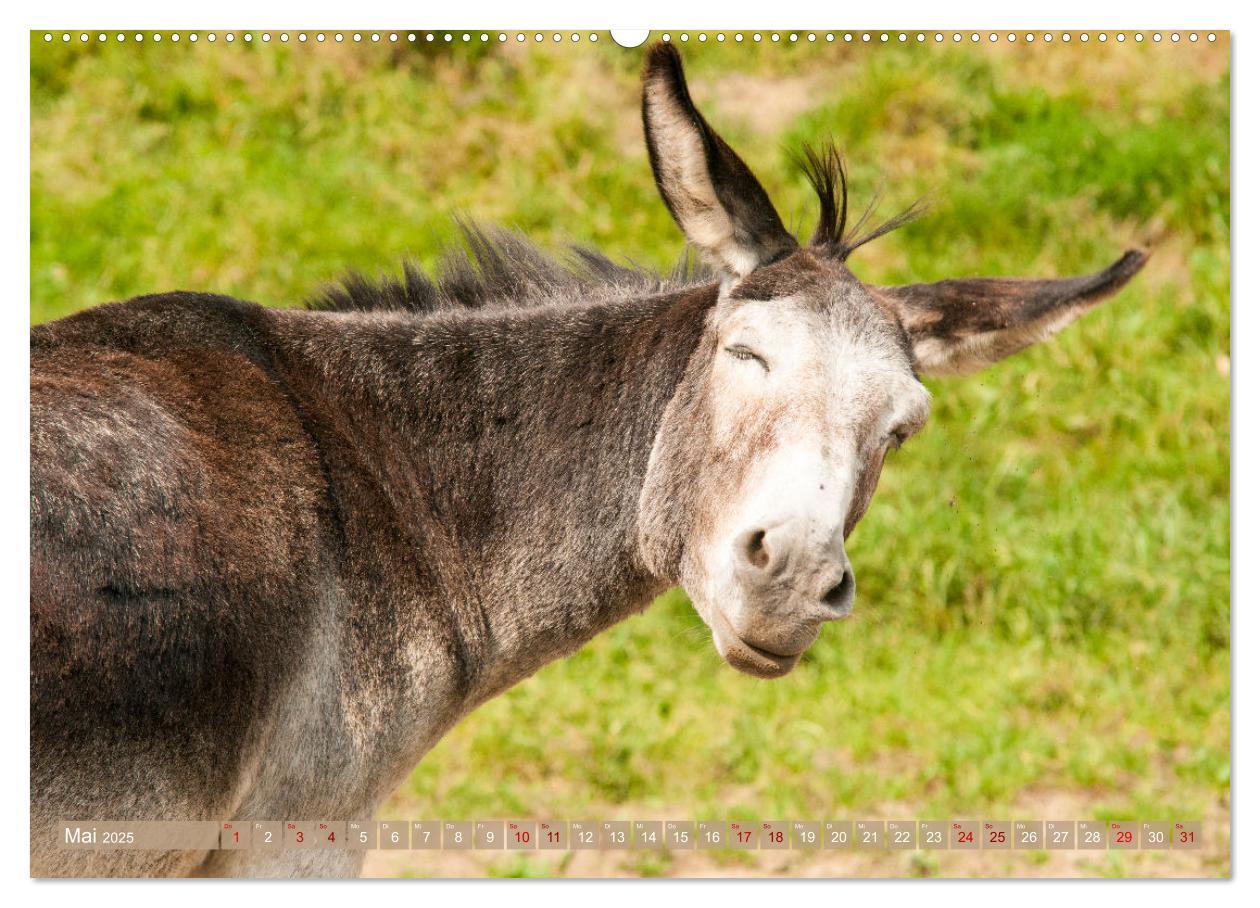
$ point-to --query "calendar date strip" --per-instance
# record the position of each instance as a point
(577, 835)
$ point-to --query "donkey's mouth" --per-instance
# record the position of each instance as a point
(748, 657)
(754, 660)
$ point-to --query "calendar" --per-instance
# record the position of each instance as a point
(625, 835)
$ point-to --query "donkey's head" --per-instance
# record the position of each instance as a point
(805, 377)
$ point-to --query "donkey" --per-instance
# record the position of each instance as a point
(277, 553)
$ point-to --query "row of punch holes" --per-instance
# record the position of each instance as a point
(702, 37)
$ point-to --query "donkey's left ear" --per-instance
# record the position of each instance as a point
(718, 203)
(960, 326)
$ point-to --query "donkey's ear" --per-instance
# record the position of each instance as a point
(960, 326)
(718, 203)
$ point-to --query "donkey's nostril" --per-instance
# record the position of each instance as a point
(840, 596)
(755, 549)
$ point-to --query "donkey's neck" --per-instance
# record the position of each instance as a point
(505, 452)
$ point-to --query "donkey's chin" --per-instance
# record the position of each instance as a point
(748, 657)
(753, 660)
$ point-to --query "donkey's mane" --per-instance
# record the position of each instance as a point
(495, 267)
(826, 172)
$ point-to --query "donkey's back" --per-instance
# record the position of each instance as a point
(176, 514)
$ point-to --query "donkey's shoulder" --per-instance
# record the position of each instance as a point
(157, 324)
(165, 405)
(169, 463)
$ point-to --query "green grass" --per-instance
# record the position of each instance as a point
(1043, 614)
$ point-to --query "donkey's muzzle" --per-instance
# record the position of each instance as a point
(789, 572)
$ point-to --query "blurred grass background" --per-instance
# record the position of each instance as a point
(1043, 615)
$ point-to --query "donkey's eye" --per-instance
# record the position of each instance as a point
(897, 438)
(740, 352)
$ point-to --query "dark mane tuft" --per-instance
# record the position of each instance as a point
(500, 268)
(497, 267)
(826, 172)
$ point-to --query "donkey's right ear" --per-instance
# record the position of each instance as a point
(722, 209)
